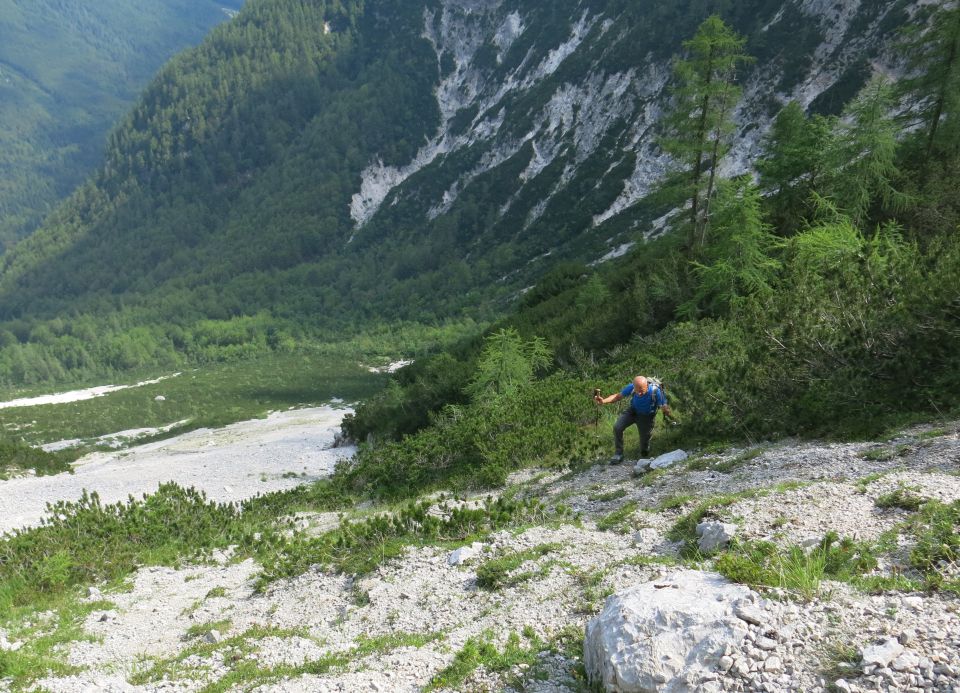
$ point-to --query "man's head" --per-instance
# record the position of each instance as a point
(640, 385)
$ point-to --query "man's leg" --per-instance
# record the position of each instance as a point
(645, 424)
(627, 419)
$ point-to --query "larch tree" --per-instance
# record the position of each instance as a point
(700, 125)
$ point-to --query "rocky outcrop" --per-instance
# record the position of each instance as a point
(666, 635)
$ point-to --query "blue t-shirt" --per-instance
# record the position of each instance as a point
(646, 403)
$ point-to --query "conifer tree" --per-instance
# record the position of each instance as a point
(933, 56)
(700, 125)
(793, 164)
(739, 263)
(862, 154)
(506, 364)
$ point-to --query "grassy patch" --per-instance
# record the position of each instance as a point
(727, 466)
(937, 531)
(864, 482)
(793, 569)
(481, 651)
(42, 651)
(497, 573)
(901, 498)
(613, 495)
(885, 453)
(198, 630)
(840, 660)
(359, 547)
(619, 519)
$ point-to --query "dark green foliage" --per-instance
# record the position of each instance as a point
(68, 70)
(86, 541)
(358, 547)
(16, 456)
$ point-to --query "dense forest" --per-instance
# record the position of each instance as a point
(68, 71)
(222, 221)
(822, 298)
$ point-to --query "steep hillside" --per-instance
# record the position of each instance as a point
(325, 166)
(68, 71)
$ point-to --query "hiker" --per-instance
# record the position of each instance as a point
(645, 399)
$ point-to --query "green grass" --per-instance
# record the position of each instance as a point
(619, 519)
(497, 573)
(212, 396)
(886, 453)
(198, 630)
(481, 651)
(794, 569)
(900, 498)
(43, 639)
(613, 495)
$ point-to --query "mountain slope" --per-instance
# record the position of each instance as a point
(332, 162)
(68, 70)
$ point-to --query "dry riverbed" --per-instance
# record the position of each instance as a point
(281, 451)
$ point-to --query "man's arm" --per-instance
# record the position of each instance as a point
(616, 397)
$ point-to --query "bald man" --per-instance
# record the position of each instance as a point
(645, 399)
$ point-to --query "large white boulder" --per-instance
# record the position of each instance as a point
(665, 636)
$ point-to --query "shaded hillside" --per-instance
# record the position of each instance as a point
(68, 71)
(324, 166)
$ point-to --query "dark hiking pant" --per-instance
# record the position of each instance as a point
(644, 425)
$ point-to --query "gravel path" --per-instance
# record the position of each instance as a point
(284, 450)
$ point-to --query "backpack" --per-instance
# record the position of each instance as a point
(653, 381)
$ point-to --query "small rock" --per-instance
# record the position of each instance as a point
(213, 637)
(766, 643)
(93, 594)
(841, 684)
(750, 614)
(773, 665)
(883, 653)
(914, 602)
(726, 662)
(462, 555)
(159, 398)
(906, 661)
(907, 636)
(668, 459)
(714, 535)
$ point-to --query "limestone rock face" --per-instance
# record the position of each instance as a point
(665, 636)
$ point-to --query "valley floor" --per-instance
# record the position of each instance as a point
(421, 620)
(233, 463)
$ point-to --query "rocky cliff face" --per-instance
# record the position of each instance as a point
(549, 117)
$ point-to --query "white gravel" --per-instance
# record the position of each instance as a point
(421, 593)
(239, 461)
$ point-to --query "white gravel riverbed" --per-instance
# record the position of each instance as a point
(239, 461)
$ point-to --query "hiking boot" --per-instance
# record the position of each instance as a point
(616, 459)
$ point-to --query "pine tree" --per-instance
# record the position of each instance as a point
(700, 125)
(739, 264)
(506, 364)
(793, 163)
(862, 154)
(933, 56)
